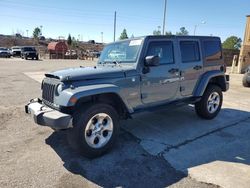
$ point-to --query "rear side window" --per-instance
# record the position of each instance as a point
(162, 49)
(212, 50)
(190, 51)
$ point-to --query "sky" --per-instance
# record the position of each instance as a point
(88, 19)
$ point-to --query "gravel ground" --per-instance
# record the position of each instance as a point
(33, 156)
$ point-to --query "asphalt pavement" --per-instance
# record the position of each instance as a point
(172, 148)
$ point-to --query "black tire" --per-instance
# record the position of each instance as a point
(244, 82)
(26, 57)
(37, 58)
(202, 108)
(77, 136)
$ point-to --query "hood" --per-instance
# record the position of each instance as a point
(87, 73)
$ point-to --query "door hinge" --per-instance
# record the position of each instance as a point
(143, 96)
(182, 88)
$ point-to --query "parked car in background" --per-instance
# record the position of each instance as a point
(16, 51)
(29, 52)
(4, 52)
(91, 41)
(70, 53)
(246, 78)
(96, 54)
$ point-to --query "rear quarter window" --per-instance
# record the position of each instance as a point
(212, 50)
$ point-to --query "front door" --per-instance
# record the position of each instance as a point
(191, 65)
(161, 83)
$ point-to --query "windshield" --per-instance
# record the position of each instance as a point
(122, 52)
(28, 49)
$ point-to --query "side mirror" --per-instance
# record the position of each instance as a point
(151, 61)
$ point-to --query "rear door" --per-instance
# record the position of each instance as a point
(191, 65)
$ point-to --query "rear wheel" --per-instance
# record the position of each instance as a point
(210, 104)
(244, 82)
(95, 129)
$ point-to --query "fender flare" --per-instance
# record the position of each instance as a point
(91, 90)
(206, 78)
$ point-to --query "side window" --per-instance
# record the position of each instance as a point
(189, 51)
(164, 50)
(212, 50)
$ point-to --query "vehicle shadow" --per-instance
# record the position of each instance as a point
(174, 138)
(126, 165)
(187, 141)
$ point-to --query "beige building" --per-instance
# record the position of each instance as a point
(244, 58)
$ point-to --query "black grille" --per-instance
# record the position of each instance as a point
(49, 88)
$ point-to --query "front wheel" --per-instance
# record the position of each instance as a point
(210, 104)
(95, 129)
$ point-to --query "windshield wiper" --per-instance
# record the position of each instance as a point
(117, 63)
(113, 62)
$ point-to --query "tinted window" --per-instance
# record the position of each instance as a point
(162, 49)
(190, 51)
(28, 49)
(212, 50)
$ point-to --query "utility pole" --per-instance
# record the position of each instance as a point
(27, 31)
(102, 37)
(195, 27)
(164, 18)
(115, 26)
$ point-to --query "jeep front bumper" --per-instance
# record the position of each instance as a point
(46, 116)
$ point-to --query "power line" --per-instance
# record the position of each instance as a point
(53, 21)
(93, 15)
(39, 6)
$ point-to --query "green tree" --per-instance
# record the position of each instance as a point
(168, 33)
(36, 33)
(182, 31)
(156, 32)
(69, 40)
(74, 42)
(124, 35)
(232, 42)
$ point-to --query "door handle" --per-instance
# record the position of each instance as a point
(197, 67)
(172, 71)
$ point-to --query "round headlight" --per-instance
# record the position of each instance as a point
(59, 88)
